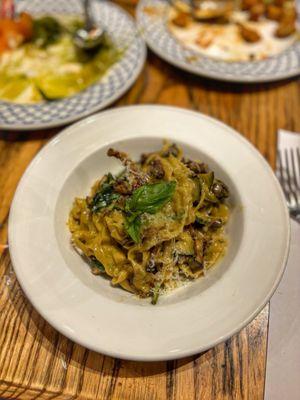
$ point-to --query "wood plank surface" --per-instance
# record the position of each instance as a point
(36, 362)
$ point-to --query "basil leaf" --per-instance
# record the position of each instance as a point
(96, 263)
(147, 198)
(105, 196)
(150, 198)
(133, 227)
(107, 185)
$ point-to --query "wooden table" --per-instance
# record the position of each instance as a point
(38, 362)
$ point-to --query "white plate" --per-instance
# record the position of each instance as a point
(158, 37)
(121, 27)
(86, 308)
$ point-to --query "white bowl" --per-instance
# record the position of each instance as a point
(86, 308)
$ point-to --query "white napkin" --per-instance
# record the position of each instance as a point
(283, 356)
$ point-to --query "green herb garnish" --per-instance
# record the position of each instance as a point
(150, 198)
(103, 199)
(155, 294)
(133, 227)
(46, 30)
(146, 199)
(105, 196)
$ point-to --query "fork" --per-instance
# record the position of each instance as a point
(288, 173)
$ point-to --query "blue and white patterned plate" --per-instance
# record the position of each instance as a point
(153, 26)
(121, 27)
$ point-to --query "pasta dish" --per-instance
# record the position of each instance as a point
(156, 225)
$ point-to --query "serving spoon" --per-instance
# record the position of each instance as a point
(91, 35)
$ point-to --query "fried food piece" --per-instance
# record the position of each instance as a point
(204, 39)
(181, 20)
(285, 29)
(256, 12)
(273, 12)
(248, 34)
(287, 22)
(213, 14)
(289, 14)
(248, 4)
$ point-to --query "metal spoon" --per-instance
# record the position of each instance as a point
(91, 35)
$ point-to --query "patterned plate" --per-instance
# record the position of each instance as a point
(119, 78)
(154, 28)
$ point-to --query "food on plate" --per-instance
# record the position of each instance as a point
(156, 225)
(231, 31)
(248, 34)
(39, 60)
(256, 12)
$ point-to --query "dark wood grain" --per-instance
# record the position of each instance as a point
(37, 362)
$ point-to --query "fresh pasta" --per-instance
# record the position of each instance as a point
(157, 224)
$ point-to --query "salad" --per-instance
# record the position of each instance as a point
(40, 62)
